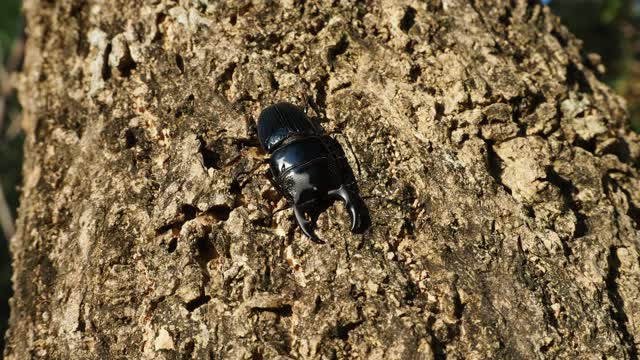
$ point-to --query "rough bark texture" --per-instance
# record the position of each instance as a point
(500, 175)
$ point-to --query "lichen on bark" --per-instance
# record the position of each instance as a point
(500, 174)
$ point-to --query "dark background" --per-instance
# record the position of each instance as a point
(610, 28)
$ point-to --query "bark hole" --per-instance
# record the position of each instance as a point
(196, 303)
(342, 331)
(411, 292)
(82, 47)
(235, 187)
(76, 9)
(633, 212)
(283, 311)
(618, 312)
(567, 190)
(608, 185)
(338, 49)
(173, 245)
(576, 77)
(189, 347)
(188, 212)
(180, 63)
(275, 85)
(415, 73)
(494, 165)
(408, 19)
(130, 139)
(219, 212)
(410, 47)
(589, 145)
(127, 64)
(620, 148)
(317, 304)
(561, 38)
(439, 348)
(205, 251)
(256, 355)
(321, 92)
(225, 78)
(106, 70)
(159, 20)
(210, 158)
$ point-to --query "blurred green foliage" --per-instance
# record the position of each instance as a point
(610, 28)
(10, 165)
(10, 154)
(9, 24)
(611, 10)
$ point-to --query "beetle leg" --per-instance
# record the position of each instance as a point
(349, 202)
(314, 106)
(305, 225)
(310, 103)
(306, 104)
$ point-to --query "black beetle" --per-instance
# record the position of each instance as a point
(304, 169)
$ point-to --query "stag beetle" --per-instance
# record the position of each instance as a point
(303, 167)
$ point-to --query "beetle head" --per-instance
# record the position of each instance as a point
(278, 122)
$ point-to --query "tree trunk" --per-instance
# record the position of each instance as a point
(500, 175)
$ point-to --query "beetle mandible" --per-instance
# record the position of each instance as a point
(304, 169)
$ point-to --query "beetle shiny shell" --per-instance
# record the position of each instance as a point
(304, 169)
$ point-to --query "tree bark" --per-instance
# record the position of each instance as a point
(500, 175)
